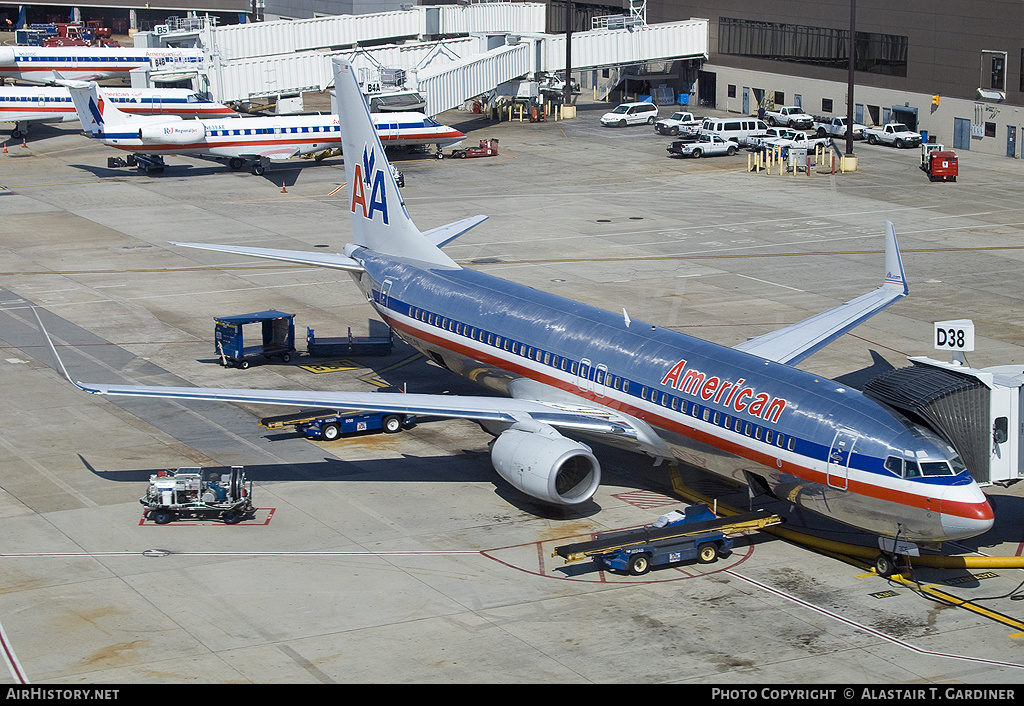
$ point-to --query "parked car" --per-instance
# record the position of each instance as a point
(631, 114)
(896, 134)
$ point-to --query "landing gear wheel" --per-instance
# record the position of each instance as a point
(236, 163)
(885, 565)
(330, 432)
(243, 364)
(259, 170)
(16, 133)
(286, 358)
(707, 553)
(639, 564)
(392, 424)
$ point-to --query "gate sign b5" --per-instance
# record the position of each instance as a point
(956, 335)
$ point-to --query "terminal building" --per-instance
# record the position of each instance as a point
(952, 70)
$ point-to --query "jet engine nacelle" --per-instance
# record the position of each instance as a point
(184, 132)
(545, 465)
(7, 56)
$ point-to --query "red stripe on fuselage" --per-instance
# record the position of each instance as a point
(971, 511)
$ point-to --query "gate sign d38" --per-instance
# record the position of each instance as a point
(956, 335)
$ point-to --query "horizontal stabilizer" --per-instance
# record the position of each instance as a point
(794, 343)
(330, 260)
(446, 234)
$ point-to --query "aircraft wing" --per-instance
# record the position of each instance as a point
(499, 409)
(331, 260)
(794, 343)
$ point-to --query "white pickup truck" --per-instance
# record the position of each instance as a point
(896, 134)
(836, 127)
(705, 146)
(797, 139)
(755, 141)
(679, 122)
(789, 115)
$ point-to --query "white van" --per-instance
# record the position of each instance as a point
(735, 129)
(631, 114)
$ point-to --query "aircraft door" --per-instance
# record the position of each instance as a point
(583, 375)
(385, 292)
(600, 379)
(838, 471)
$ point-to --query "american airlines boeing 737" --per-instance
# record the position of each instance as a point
(240, 139)
(576, 372)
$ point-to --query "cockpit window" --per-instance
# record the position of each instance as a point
(903, 468)
(936, 468)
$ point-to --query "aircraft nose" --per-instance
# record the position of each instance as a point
(965, 512)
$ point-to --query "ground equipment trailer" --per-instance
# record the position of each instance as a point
(939, 163)
(198, 492)
(277, 340)
(695, 533)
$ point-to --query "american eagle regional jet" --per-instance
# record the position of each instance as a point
(573, 371)
(239, 139)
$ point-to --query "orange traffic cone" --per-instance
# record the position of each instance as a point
(283, 190)
(5, 148)
(24, 143)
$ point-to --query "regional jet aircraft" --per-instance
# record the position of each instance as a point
(574, 371)
(37, 64)
(23, 105)
(240, 139)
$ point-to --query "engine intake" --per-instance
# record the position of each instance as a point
(185, 132)
(545, 465)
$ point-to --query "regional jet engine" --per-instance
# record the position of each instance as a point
(184, 132)
(7, 56)
(545, 465)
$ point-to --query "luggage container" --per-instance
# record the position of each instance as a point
(277, 340)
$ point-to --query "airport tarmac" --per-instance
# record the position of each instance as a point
(404, 557)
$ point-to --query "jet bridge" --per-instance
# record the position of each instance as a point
(264, 60)
(978, 411)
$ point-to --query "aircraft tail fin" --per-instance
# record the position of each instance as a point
(96, 113)
(380, 221)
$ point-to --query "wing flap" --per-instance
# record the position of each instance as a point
(794, 343)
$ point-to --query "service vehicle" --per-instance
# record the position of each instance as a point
(193, 491)
(694, 533)
(631, 114)
(333, 425)
(487, 148)
(677, 123)
(789, 116)
(704, 146)
(939, 163)
(895, 134)
(836, 127)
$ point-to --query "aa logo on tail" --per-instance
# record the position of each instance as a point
(367, 179)
(97, 111)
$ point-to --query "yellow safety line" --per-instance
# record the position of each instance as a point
(850, 552)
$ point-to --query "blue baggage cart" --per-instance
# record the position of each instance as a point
(277, 338)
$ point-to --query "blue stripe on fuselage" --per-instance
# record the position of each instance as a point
(464, 304)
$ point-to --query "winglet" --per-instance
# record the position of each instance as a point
(53, 349)
(895, 275)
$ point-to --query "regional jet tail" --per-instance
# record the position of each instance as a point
(578, 373)
(239, 139)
